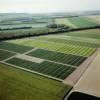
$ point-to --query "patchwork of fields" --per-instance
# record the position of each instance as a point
(76, 22)
(46, 60)
(95, 18)
(61, 54)
(15, 28)
(65, 21)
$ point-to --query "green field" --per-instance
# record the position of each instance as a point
(14, 47)
(5, 54)
(64, 21)
(63, 48)
(82, 22)
(16, 84)
(92, 35)
(58, 57)
(47, 68)
(35, 68)
(76, 22)
(69, 41)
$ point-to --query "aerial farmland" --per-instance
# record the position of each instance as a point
(38, 54)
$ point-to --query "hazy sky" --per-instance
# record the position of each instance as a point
(43, 6)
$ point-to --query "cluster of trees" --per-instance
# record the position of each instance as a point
(10, 34)
(59, 27)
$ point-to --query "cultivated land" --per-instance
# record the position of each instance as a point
(59, 47)
(35, 68)
(95, 18)
(5, 54)
(16, 84)
(14, 48)
(76, 22)
(21, 26)
(82, 22)
(85, 34)
(65, 21)
(55, 56)
(73, 53)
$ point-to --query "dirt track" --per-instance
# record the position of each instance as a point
(29, 58)
(75, 76)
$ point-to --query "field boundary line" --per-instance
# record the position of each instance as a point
(56, 62)
(36, 57)
(9, 51)
(30, 51)
(9, 58)
(61, 63)
(34, 72)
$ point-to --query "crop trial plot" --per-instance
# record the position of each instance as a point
(58, 57)
(69, 41)
(47, 68)
(63, 48)
(14, 47)
(5, 54)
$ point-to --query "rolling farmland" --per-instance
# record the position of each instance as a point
(19, 27)
(36, 67)
(76, 22)
(65, 21)
(85, 34)
(51, 49)
(82, 22)
(43, 47)
(95, 18)
(73, 53)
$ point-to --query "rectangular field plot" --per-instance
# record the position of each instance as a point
(93, 35)
(64, 21)
(95, 18)
(59, 57)
(59, 47)
(81, 22)
(47, 68)
(16, 84)
(70, 42)
(14, 47)
(5, 54)
(76, 38)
